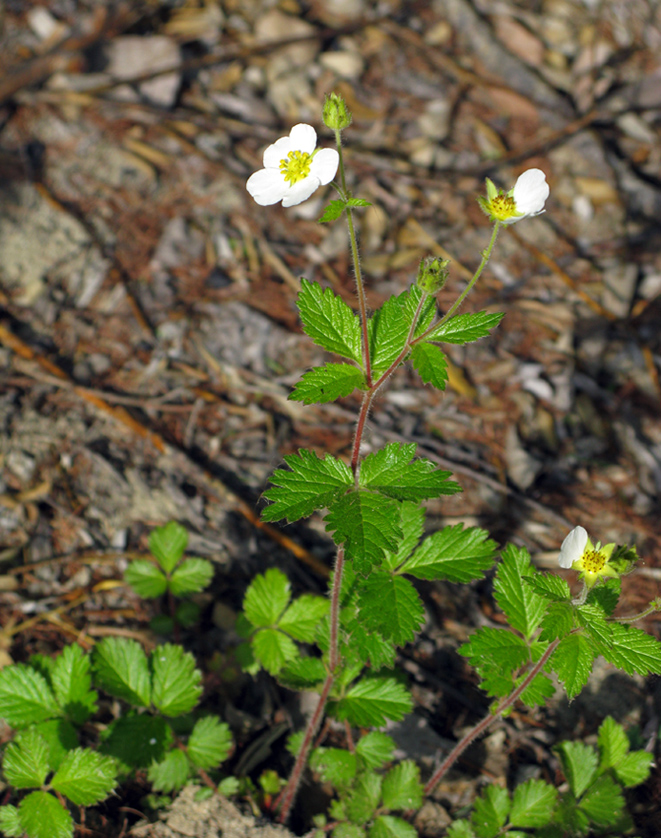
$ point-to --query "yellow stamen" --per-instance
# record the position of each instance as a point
(296, 166)
(593, 561)
(502, 207)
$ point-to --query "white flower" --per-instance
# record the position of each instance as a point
(293, 169)
(573, 547)
(526, 199)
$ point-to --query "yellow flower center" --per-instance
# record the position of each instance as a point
(593, 561)
(296, 166)
(502, 207)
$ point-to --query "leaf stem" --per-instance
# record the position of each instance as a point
(655, 605)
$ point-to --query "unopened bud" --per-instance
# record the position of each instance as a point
(432, 274)
(336, 115)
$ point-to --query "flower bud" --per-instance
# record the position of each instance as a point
(432, 274)
(336, 115)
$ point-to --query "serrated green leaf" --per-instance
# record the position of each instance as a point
(490, 812)
(579, 765)
(346, 829)
(176, 683)
(361, 804)
(311, 484)
(210, 742)
(401, 787)
(465, 328)
(550, 586)
(558, 621)
(410, 300)
(121, 669)
(229, 786)
(454, 553)
(85, 777)
(146, 579)
(460, 829)
(168, 544)
(266, 598)
(367, 524)
(632, 650)
(431, 364)
(523, 608)
(42, 816)
(606, 595)
(613, 743)
(60, 736)
(388, 329)
(335, 765)
(273, 649)
(495, 654)
(327, 383)
(25, 697)
(302, 673)
(537, 692)
(412, 521)
(387, 826)
(136, 741)
(25, 762)
(191, 577)
(372, 701)
(358, 202)
(572, 662)
(72, 682)
(532, 804)
(390, 605)
(603, 802)
(634, 768)
(171, 773)
(329, 321)
(10, 824)
(301, 620)
(44, 665)
(332, 212)
(375, 749)
(592, 618)
(392, 471)
(373, 648)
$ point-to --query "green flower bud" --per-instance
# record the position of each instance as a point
(336, 115)
(623, 558)
(432, 274)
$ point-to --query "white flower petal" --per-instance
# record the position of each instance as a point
(267, 186)
(530, 192)
(572, 547)
(277, 152)
(303, 137)
(324, 165)
(300, 191)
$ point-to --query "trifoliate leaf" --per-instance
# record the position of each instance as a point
(632, 650)
(177, 684)
(210, 742)
(43, 816)
(387, 826)
(375, 749)
(465, 328)
(72, 681)
(454, 553)
(538, 692)
(490, 812)
(10, 824)
(25, 697)
(523, 608)
(60, 736)
(191, 577)
(372, 701)
(390, 605)
(302, 673)
(335, 765)
(25, 762)
(401, 787)
(121, 669)
(634, 768)
(333, 211)
(168, 544)
(412, 521)
(311, 484)
(603, 802)
(329, 321)
(361, 804)
(572, 661)
(579, 765)
(431, 364)
(367, 524)
(549, 585)
(532, 804)
(85, 777)
(136, 741)
(327, 383)
(171, 773)
(388, 329)
(301, 620)
(146, 579)
(266, 598)
(558, 621)
(273, 649)
(393, 472)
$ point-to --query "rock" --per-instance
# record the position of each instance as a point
(134, 55)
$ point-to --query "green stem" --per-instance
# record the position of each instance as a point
(654, 606)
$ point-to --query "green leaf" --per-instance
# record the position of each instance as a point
(387, 826)
(25, 762)
(431, 364)
(401, 787)
(372, 701)
(603, 803)
(367, 524)
(532, 804)
(579, 765)
(550, 586)
(168, 544)
(388, 329)
(10, 824)
(393, 472)
(329, 321)
(572, 661)
(171, 773)
(593, 619)
(229, 786)
(346, 829)
(137, 740)
(311, 484)
(412, 521)
(210, 742)
(333, 211)
(187, 613)
(390, 605)
(25, 697)
(177, 684)
(523, 608)
(121, 669)
(42, 816)
(454, 553)
(465, 328)
(327, 383)
(558, 621)
(60, 736)
(613, 743)
(191, 577)
(495, 648)
(375, 749)
(273, 649)
(460, 829)
(634, 768)
(606, 595)
(538, 692)
(266, 598)
(410, 300)
(302, 673)
(335, 765)
(373, 647)
(146, 579)
(72, 681)
(632, 650)
(490, 812)
(358, 202)
(365, 798)
(85, 777)
(301, 620)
